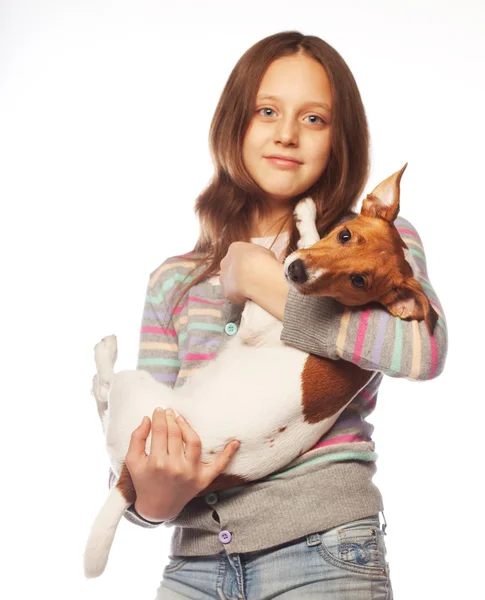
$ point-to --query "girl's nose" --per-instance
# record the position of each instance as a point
(286, 132)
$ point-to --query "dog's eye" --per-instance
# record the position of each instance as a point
(357, 280)
(344, 235)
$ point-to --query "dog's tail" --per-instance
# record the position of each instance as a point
(103, 532)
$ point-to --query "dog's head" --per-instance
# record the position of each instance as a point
(363, 260)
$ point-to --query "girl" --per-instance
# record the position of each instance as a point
(313, 528)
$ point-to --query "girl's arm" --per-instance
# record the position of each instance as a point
(158, 350)
(371, 337)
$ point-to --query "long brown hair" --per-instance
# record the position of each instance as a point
(226, 207)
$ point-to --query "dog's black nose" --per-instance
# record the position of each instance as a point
(296, 271)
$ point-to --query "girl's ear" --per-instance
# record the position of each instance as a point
(408, 301)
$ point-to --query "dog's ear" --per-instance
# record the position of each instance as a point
(383, 201)
(408, 301)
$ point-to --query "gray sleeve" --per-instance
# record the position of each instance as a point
(370, 336)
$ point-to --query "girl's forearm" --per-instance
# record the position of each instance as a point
(269, 289)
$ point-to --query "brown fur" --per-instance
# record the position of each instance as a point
(375, 250)
(223, 482)
(125, 485)
(327, 386)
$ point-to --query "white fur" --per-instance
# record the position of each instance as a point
(248, 393)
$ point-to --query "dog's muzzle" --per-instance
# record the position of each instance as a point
(296, 271)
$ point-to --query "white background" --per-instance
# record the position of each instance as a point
(105, 109)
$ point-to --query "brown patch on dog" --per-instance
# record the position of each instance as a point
(223, 482)
(328, 385)
(125, 485)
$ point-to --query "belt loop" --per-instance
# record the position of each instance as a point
(385, 523)
(313, 539)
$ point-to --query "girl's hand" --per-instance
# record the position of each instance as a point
(243, 263)
(167, 479)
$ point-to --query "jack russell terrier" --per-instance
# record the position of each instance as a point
(286, 399)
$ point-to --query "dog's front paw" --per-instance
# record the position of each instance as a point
(305, 210)
(305, 214)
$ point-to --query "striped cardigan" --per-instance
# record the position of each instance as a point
(331, 483)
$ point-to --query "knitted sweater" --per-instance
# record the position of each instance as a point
(331, 483)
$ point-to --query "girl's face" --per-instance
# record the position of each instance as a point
(295, 122)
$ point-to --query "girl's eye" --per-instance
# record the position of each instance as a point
(316, 117)
(271, 110)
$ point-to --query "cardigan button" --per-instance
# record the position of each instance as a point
(225, 536)
(230, 328)
(211, 498)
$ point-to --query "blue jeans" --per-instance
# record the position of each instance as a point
(347, 562)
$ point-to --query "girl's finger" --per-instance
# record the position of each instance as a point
(158, 443)
(174, 436)
(193, 446)
(138, 440)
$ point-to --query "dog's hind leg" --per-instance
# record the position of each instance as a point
(105, 354)
(100, 392)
